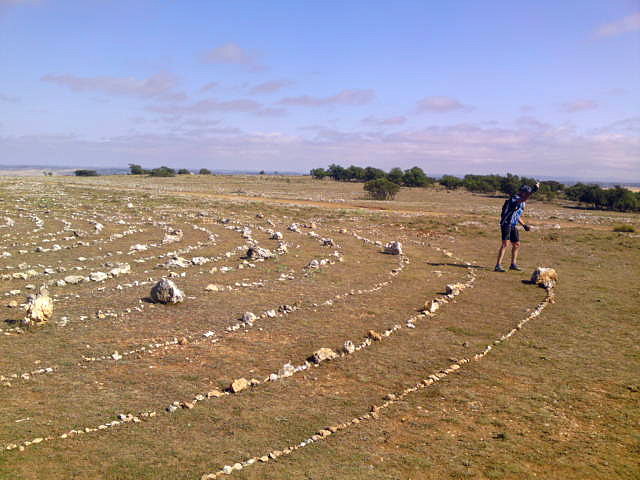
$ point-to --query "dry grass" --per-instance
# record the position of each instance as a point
(558, 400)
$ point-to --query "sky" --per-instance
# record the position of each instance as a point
(542, 88)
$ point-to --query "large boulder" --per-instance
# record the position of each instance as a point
(254, 253)
(39, 308)
(322, 355)
(165, 291)
(545, 277)
(393, 248)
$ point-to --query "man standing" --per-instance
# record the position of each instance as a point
(509, 220)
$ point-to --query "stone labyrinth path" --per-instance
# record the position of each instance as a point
(325, 330)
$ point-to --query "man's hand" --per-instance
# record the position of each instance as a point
(526, 227)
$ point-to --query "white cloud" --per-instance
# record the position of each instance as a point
(233, 54)
(241, 105)
(532, 148)
(384, 122)
(441, 104)
(270, 87)
(353, 97)
(630, 23)
(159, 86)
(578, 106)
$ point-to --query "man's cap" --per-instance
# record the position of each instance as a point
(526, 189)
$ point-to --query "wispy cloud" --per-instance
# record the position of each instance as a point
(270, 87)
(354, 97)
(159, 86)
(578, 106)
(8, 98)
(209, 86)
(233, 54)
(241, 105)
(384, 122)
(630, 23)
(532, 147)
(441, 104)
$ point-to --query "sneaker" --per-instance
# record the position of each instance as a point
(499, 269)
(515, 267)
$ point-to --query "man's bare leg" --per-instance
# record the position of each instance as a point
(503, 248)
(514, 253)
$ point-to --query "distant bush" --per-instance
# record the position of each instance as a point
(381, 189)
(163, 172)
(617, 198)
(86, 173)
(137, 169)
(624, 228)
(204, 171)
(184, 171)
(450, 182)
(415, 177)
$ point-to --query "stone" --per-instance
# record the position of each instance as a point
(120, 269)
(165, 291)
(239, 384)
(73, 279)
(287, 370)
(454, 288)
(373, 335)
(215, 393)
(98, 276)
(249, 318)
(431, 306)
(545, 277)
(254, 253)
(172, 235)
(349, 347)
(322, 354)
(39, 307)
(177, 261)
(393, 248)
(212, 288)
(199, 260)
(276, 236)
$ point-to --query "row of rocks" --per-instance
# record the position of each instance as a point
(375, 410)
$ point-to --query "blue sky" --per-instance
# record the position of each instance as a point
(538, 88)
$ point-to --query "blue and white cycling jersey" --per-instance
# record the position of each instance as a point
(512, 211)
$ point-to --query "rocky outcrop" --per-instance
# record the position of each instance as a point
(165, 291)
(39, 308)
(393, 248)
(545, 277)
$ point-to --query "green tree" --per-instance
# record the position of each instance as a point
(136, 169)
(319, 173)
(204, 171)
(450, 182)
(86, 173)
(415, 177)
(395, 175)
(183, 171)
(163, 172)
(381, 189)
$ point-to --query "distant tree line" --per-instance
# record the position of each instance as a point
(164, 171)
(413, 177)
(616, 198)
(86, 173)
(384, 186)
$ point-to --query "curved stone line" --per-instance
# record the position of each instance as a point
(389, 399)
(145, 416)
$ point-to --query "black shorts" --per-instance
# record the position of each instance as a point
(510, 232)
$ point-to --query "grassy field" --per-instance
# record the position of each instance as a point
(116, 387)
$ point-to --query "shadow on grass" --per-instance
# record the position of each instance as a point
(459, 265)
